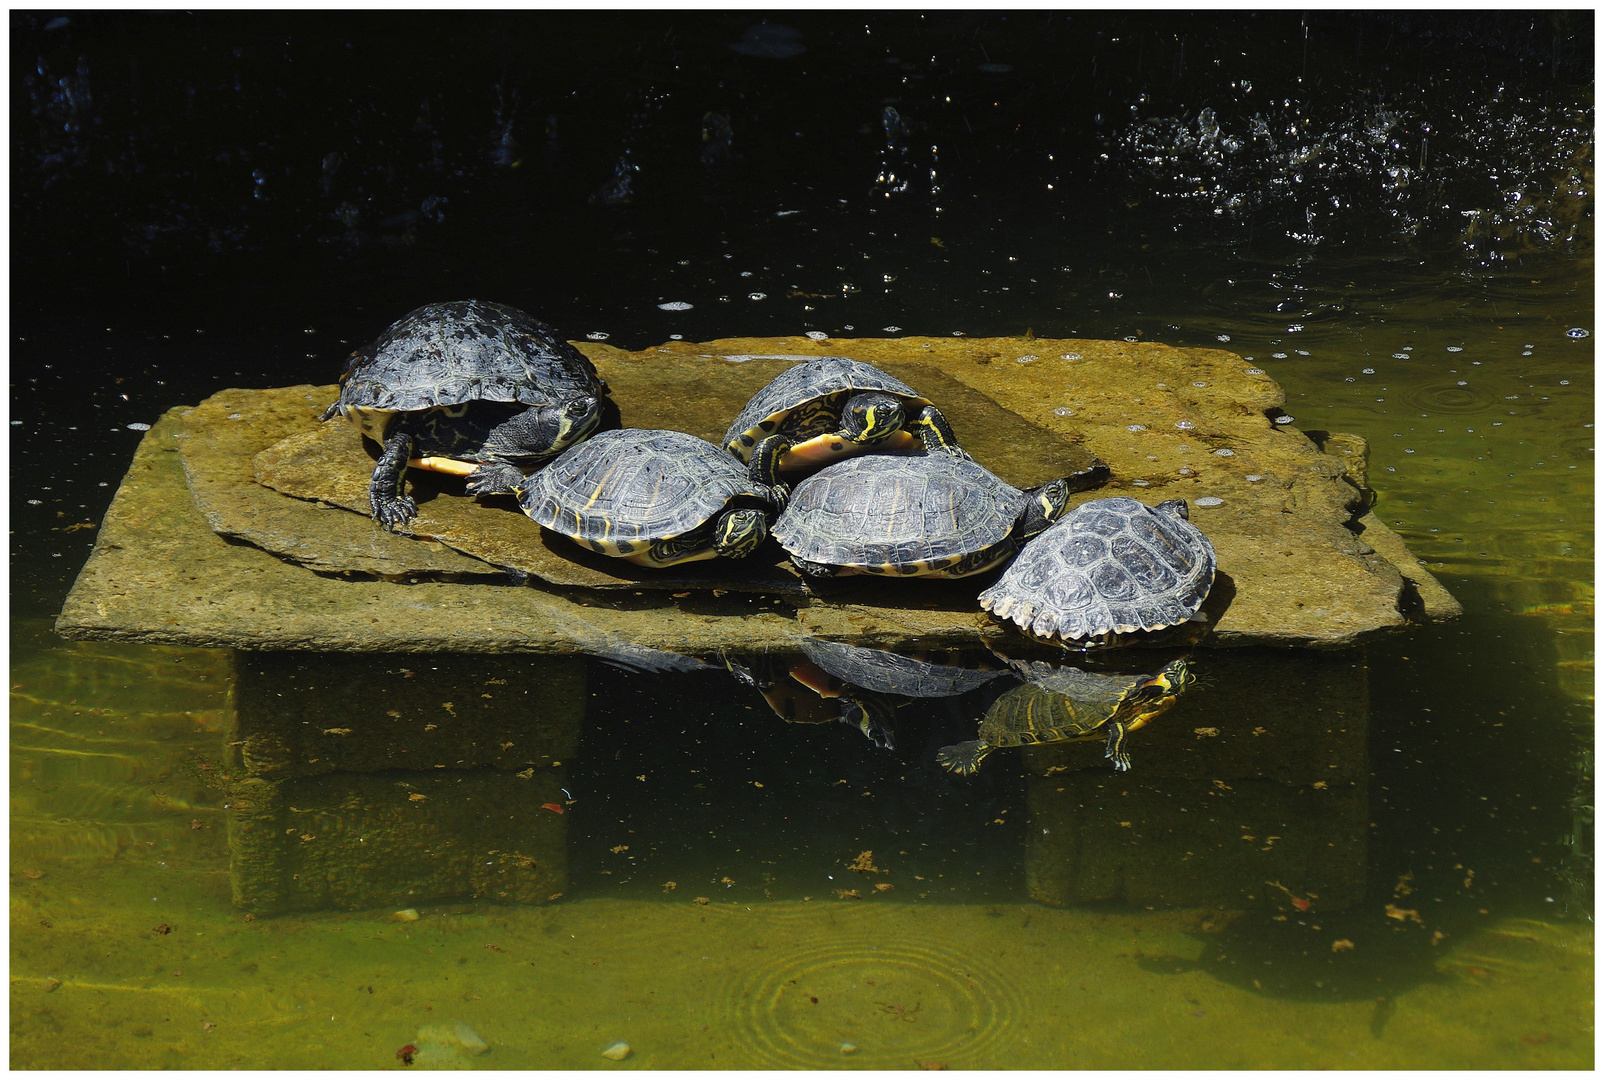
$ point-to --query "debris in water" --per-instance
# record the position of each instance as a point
(616, 1052)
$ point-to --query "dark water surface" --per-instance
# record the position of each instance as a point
(1390, 214)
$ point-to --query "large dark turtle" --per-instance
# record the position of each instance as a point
(1108, 567)
(472, 388)
(1067, 704)
(655, 498)
(940, 514)
(830, 407)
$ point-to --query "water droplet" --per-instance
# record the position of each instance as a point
(674, 305)
(1208, 500)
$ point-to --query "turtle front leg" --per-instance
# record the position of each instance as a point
(1115, 751)
(873, 715)
(530, 435)
(392, 507)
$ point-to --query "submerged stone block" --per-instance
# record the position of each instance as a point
(363, 840)
(1258, 774)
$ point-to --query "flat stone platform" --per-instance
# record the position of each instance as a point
(243, 521)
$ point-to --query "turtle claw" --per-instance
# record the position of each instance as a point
(395, 510)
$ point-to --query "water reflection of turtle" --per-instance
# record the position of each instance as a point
(868, 686)
(656, 498)
(939, 515)
(830, 407)
(1108, 567)
(1066, 704)
(472, 388)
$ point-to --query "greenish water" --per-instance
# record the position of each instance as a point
(1462, 936)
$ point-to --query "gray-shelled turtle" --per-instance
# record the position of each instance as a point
(471, 388)
(937, 515)
(830, 407)
(893, 673)
(656, 498)
(1071, 704)
(1108, 567)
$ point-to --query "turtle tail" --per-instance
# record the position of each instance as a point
(963, 758)
(1115, 750)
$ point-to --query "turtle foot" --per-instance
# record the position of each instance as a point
(494, 478)
(393, 511)
(962, 758)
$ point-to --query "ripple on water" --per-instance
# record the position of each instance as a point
(898, 1002)
(1450, 397)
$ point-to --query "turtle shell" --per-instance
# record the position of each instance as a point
(817, 387)
(893, 673)
(1108, 566)
(885, 514)
(467, 350)
(621, 491)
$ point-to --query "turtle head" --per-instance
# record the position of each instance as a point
(871, 417)
(1046, 505)
(740, 532)
(574, 421)
(1177, 507)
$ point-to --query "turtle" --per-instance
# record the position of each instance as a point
(1071, 704)
(940, 515)
(1109, 567)
(472, 388)
(829, 407)
(656, 498)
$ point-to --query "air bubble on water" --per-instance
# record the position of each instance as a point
(1278, 355)
(1295, 328)
(1136, 427)
(1348, 379)
(598, 335)
(1407, 450)
(1455, 348)
(1185, 425)
(1199, 383)
(1576, 332)
(957, 333)
(1528, 352)
(1564, 382)
(35, 502)
(1225, 451)
(1253, 478)
(1208, 500)
(138, 427)
(1069, 356)
(746, 273)
(1289, 419)
(1222, 337)
(1400, 356)
(817, 335)
(1255, 371)
(674, 305)
(757, 296)
(1139, 483)
(892, 329)
(676, 337)
(1028, 358)
(1461, 382)
(1063, 410)
(1131, 339)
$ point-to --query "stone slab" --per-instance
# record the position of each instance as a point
(1294, 567)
